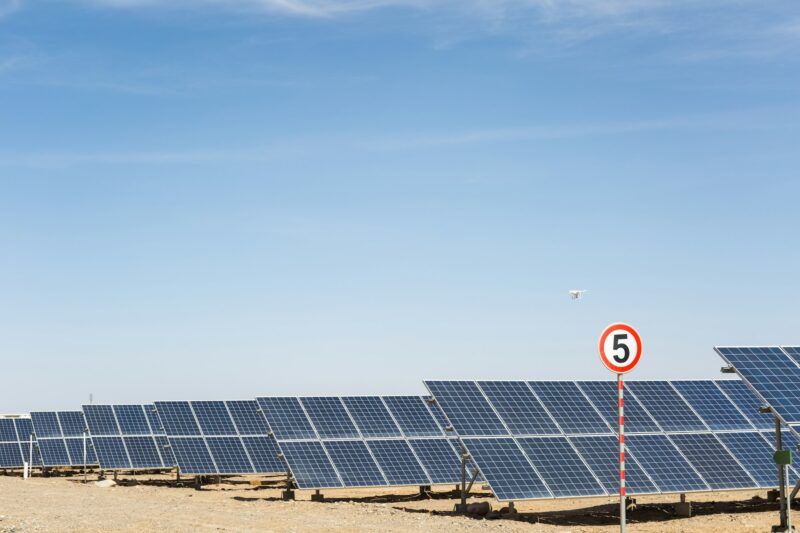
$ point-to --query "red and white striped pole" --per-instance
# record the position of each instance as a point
(621, 388)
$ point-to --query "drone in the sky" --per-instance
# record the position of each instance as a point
(577, 294)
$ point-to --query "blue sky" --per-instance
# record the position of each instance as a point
(224, 199)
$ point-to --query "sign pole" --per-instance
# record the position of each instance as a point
(621, 388)
(620, 350)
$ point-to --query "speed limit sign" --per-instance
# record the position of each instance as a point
(620, 348)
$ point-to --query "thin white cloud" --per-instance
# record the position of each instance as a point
(9, 6)
(769, 118)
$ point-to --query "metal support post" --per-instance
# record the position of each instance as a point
(785, 512)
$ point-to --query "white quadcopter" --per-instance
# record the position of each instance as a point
(577, 294)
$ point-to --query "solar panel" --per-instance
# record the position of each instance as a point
(666, 406)
(518, 407)
(747, 402)
(604, 395)
(286, 418)
(355, 464)
(329, 418)
(601, 453)
(360, 441)
(398, 463)
(310, 464)
(772, 373)
(507, 469)
(755, 454)
(789, 441)
(710, 458)
(569, 407)
(665, 465)
(14, 443)
(371, 416)
(438, 458)
(124, 439)
(30, 451)
(708, 401)
(467, 408)
(62, 439)
(219, 437)
(413, 416)
(561, 467)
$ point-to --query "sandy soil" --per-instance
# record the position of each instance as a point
(65, 504)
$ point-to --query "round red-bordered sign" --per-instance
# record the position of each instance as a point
(620, 348)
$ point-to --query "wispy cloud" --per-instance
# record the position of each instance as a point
(9, 6)
(756, 119)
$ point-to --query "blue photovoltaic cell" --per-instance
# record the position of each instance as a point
(229, 455)
(54, 452)
(466, 408)
(10, 455)
(286, 418)
(25, 430)
(177, 419)
(413, 416)
(438, 458)
(329, 417)
(666, 406)
(213, 418)
(7, 431)
(143, 452)
(112, 450)
(747, 402)
(264, 454)
(132, 419)
(398, 462)
(192, 454)
(72, 423)
(247, 418)
(567, 404)
(522, 413)
(46, 425)
(311, 467)
(605, 397)
(601, 453)
(561, 467)
(664, 463)
(371, 416)
(755, 454)
(713, 461)
(354, 463)
(101, 420)
(713, 407)
(772, 373)
(506, 469)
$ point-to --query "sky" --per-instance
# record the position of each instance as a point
(216, 199)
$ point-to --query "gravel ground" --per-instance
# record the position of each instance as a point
(65, 504)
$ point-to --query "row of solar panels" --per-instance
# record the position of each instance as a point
(539, 439)
(546, 439)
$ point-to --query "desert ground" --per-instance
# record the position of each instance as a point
(155, 503)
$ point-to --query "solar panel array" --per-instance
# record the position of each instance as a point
(62, 438)
(551, 439)
(128, 437)
(15, 443)
(773, 372)
(362, 441)
(219, 437)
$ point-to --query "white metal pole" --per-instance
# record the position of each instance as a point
(621, 388)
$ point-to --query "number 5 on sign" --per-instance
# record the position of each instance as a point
(620, 348)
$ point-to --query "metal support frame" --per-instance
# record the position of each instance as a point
(424, 489)
(783, 475)
(317, 496)
(464, 488)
